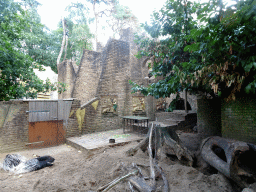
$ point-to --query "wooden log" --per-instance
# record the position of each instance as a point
(166, 184)
(151, 161)
(178, 148)
(140, 184)
(142, 145)
(112, 184)
(234, 159)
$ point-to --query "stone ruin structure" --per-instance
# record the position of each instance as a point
(101, 84)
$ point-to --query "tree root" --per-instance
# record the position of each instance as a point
(167, 138)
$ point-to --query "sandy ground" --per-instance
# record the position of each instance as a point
(75, 170)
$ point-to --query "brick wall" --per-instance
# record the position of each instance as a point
(238, 119)
(105, 74)
(13, 125)
(67, 74)
(87, 79)
(72, 128)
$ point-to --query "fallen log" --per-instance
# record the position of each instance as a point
(235, 159)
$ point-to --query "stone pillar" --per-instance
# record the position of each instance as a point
(150, 107)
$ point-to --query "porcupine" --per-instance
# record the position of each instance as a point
(18, 164)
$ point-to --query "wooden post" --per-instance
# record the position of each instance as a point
(185, 104)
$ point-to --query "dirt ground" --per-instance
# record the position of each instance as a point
(75, 170)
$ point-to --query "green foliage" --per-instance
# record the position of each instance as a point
(40, 43)
(172, 24)
(78, 31)
(172, 105)
(204, 48)
(227, 46)
(121, 17)
(17, 78)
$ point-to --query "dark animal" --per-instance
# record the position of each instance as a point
(14, 160)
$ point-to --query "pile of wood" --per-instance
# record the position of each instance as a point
(159, 141)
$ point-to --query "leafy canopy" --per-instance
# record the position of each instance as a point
(18, 55)
(205, 48)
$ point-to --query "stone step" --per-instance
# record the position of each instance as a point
(170, 115)
(173, 121)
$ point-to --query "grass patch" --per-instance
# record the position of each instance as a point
(121, 136)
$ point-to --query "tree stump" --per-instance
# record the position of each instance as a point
(165, 140)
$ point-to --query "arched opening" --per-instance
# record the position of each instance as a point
(180, 104)
(147, 69)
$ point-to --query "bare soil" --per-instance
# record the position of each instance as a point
(75, 170)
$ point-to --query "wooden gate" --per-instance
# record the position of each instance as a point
(46, 119)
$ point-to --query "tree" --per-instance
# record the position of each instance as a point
(173, 22)
(208, 54)
(116, 15)
(227, 48)
(98, 13)
(76, 32)
(121, 17)
(17, 77)
(39, 42)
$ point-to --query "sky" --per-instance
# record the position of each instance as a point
(51, 11)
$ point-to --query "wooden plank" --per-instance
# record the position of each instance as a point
(135, 117)
(47, 107)
(53, 110)
(49, 110)
(39, 106)
(61, 108)
(39, 111)
(31, 108)
(67, 108)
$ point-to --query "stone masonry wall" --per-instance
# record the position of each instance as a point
(13, 125)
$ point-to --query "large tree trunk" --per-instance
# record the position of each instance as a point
(66, 47)
(63, 43)
(165, 140)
